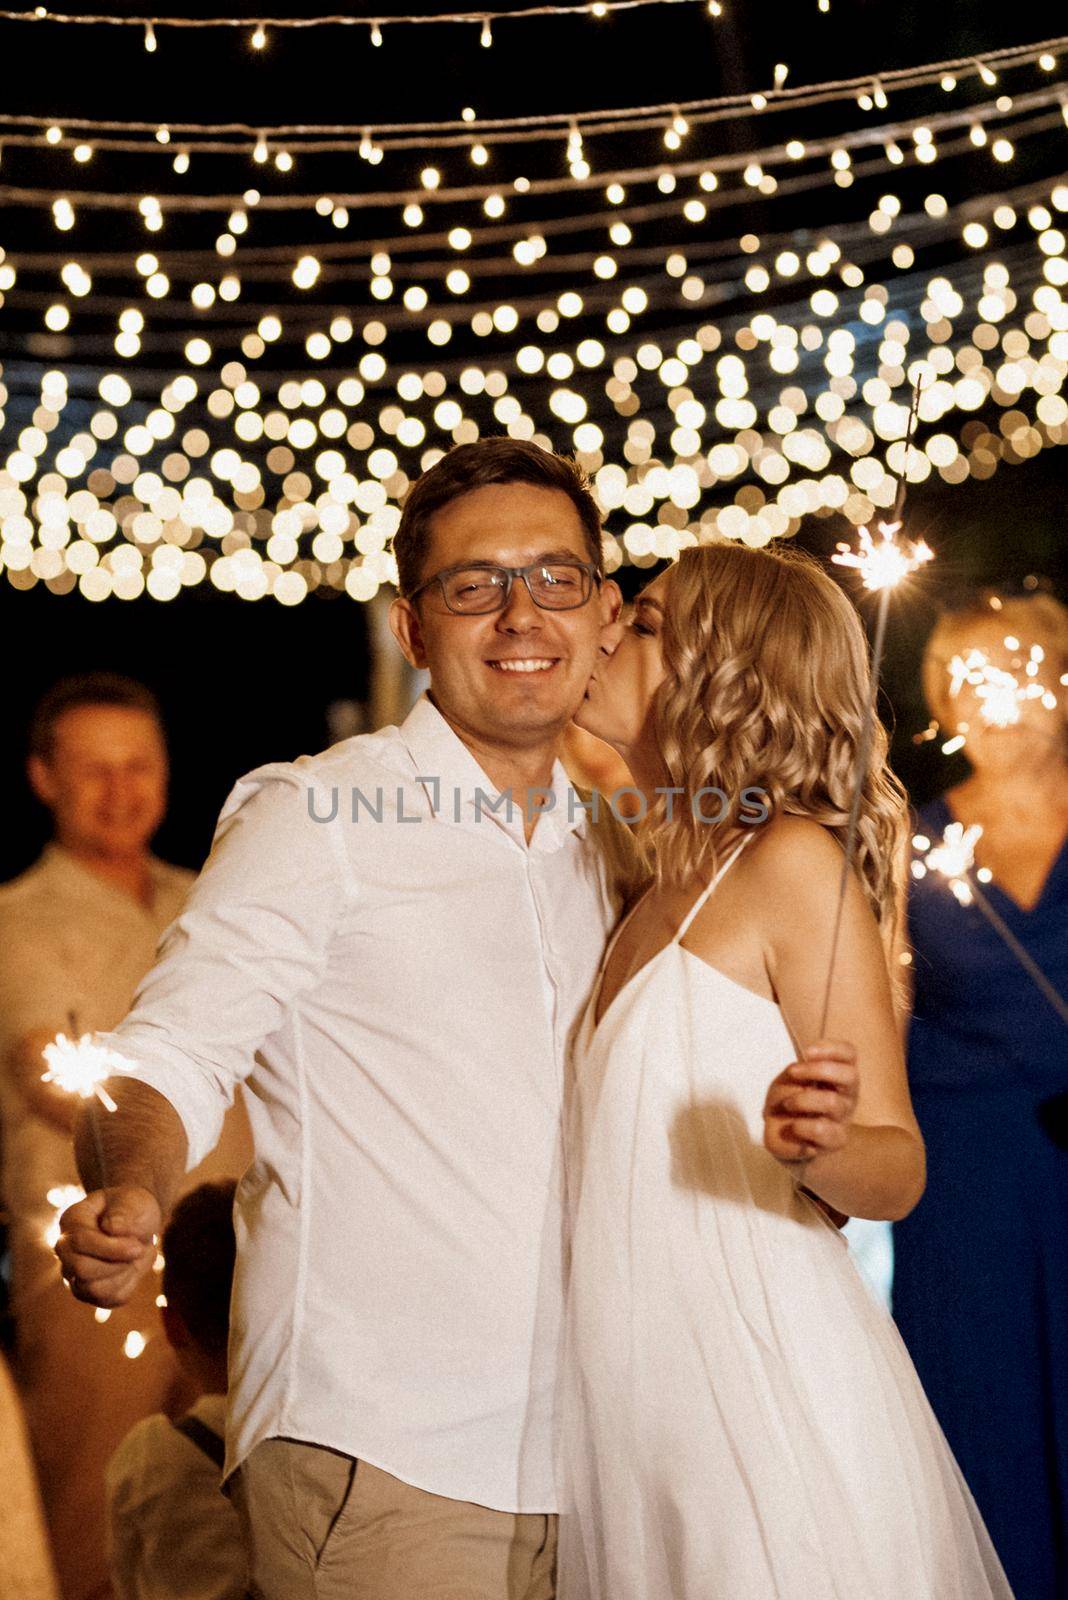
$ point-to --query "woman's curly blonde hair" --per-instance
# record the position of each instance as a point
(768, 682)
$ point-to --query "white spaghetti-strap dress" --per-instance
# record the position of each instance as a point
(739, 1418)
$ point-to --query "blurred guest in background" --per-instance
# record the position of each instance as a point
(78, 931)
(25, 1562)
(980, 1287)
(174, 1534)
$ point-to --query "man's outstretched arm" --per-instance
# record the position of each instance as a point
(254, 936)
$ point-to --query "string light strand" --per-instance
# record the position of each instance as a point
(363, 200)
(598, 9)
(798, 96)
(334, 140)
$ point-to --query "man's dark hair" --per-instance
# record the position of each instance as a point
(198, 1255)
(86, 689)
(475, 466)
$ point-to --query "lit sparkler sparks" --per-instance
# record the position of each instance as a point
(883, 563)
(1000, 692)
(134, 1344)
(883, 566)
(80, 1067)
(62, 1197)
(954, 859)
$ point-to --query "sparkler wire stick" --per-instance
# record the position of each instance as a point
(71, 1069)
(867, 729)
(94, 1118)
(953, 859)
(867, 733)
(1023, 956)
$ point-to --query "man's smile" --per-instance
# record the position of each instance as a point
(524, 664)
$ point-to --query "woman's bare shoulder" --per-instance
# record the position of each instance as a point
(795, 853)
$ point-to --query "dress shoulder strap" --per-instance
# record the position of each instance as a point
(719, 874)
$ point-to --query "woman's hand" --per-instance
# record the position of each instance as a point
(811, 1104)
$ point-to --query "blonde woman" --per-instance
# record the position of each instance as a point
(980, 1287)
(740, 1420)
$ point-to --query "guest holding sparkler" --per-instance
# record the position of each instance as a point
(980, 1291)
(78, 931)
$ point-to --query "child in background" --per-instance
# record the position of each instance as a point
(174, 1535)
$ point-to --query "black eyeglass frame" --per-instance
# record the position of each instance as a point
(512, 573)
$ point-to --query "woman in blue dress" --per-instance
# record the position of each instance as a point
(981, 1266)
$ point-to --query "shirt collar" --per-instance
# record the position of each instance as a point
(463, 793)
(78, 879)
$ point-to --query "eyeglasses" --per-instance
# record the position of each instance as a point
(552, 585)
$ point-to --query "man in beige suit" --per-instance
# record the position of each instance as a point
(78, 932)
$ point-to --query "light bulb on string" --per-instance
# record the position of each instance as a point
(376, 35)
(486, 36)
(150, 38)
(259, 37)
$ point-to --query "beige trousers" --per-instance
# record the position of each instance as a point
(321, 1526)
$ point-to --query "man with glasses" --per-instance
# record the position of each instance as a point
(397, 986)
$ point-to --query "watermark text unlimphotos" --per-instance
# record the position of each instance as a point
(627, 804)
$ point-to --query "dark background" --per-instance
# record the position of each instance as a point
(246, 682)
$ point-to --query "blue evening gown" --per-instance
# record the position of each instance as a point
(981, 1266)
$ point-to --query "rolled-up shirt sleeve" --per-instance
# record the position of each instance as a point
(252, 938)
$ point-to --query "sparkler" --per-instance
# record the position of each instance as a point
(883, 565)
(80, 1066)
(1000, 692)
(62, 1196)
(954, 859)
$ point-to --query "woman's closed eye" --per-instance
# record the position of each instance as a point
(644, 629)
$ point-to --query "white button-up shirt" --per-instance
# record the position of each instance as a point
(397, 985)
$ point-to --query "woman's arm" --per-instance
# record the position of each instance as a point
(842, 1110)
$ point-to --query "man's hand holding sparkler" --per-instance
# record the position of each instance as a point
(108, 1242)
(130, 1162)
